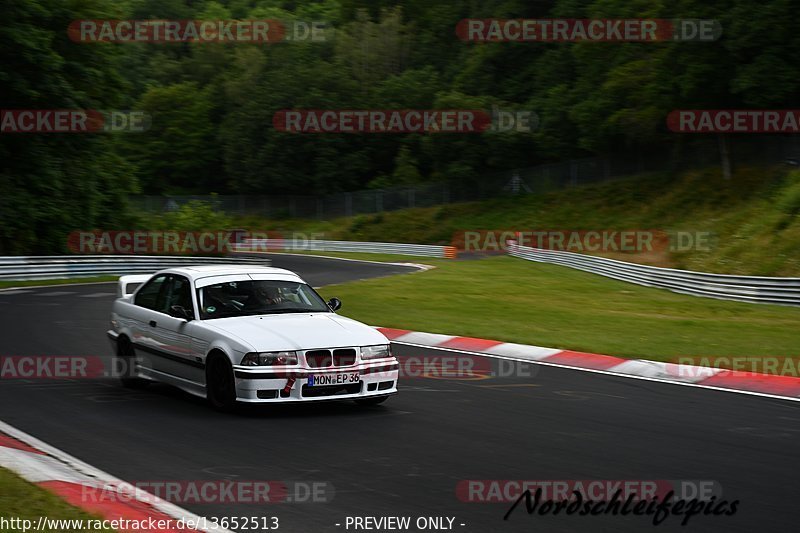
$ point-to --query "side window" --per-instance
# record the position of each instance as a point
(149, 294)
(181, 294)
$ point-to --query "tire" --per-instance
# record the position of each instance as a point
(375, 400)
(128, 357)
(220, 386)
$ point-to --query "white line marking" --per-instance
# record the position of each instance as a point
(607, 373)
(522, 350)
(97, 295)
(425, 339)
(668, 371)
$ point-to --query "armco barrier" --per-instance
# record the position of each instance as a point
(754, 289)
(18, 268)
(289, 245)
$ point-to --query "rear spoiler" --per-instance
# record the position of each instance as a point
(125, 281)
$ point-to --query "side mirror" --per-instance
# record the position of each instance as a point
(178, 311)
(335, 304)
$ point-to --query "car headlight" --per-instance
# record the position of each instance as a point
(375, 352)
(269, 359)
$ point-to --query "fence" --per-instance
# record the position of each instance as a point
(692, 153)
(754, 289)
(424, 250)
(60, 267)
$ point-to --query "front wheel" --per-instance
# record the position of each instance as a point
(375, 400)
(220, 387)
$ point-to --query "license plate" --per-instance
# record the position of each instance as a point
(320, 380)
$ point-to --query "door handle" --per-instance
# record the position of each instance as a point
(153, 323)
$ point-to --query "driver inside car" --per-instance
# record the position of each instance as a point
(264, 295)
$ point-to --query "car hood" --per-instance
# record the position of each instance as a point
(267, 333)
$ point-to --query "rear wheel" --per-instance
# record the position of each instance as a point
(375, 400)
(220, 387)
(127, 357)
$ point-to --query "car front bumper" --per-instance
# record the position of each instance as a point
(265, 385)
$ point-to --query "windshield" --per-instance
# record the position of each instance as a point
(262, 297)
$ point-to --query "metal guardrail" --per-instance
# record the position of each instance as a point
(754, 289)
(21, 268)
(264, 245)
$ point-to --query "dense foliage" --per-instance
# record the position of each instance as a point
(212, 104)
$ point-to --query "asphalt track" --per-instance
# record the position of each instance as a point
(407, 457)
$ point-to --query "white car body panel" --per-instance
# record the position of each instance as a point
(270, 333)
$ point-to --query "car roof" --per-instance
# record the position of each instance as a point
(197, 272)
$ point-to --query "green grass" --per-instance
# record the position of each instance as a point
(40, 282)
(24, 500)
(754, 217)
(514, 300)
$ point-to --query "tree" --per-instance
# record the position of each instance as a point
(52, 183)
(405, 168)
(179, 153)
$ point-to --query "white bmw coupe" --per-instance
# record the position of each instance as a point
(246, 334)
